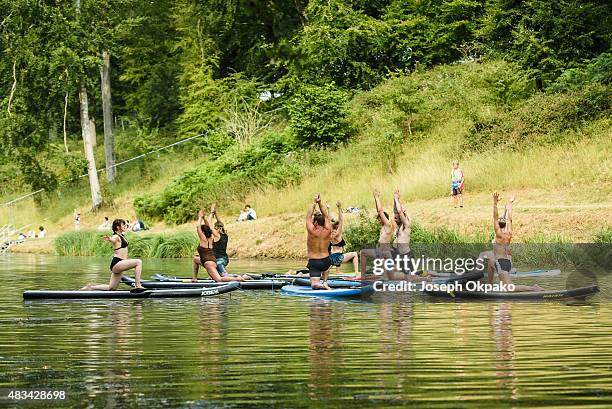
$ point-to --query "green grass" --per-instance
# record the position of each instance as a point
(142, 245)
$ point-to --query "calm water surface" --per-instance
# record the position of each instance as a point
(258, 348)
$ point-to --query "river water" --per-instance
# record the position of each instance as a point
(259, 348)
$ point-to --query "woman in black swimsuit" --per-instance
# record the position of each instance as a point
(207, 253)
(337, 243)
(120, 262)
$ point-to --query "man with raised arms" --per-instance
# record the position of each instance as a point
(387, 228)
(502, 255)
(402, 238)
(488, 255)
(318, 227)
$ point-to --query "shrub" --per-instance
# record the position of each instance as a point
(231, 176)
(604, 236)
(597, 70)
(542, 119)
(318, 115)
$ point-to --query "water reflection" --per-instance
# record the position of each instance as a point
(500, 320)
(264, 349)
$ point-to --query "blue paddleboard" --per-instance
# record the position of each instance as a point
(334, 292)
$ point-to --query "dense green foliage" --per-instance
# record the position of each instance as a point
(542, 119)
(231, 175)
(318, 115)
(181, 67)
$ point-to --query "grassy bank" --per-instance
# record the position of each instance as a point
(553, 150)
(91, 243)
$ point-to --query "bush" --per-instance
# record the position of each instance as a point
(597, 70)
(543, 119)
(231, 176)
(366, 232)
(318, 115)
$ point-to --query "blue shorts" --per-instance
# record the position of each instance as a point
(222, 262)
(336, 259)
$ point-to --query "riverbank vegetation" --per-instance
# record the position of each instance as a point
(294, 98)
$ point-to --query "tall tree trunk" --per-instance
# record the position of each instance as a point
(107, 110)
(65, 115)
(94, 183)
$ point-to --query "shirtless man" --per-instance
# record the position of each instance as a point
(488, 255)
(318, 227)
(402, 237)
(502, 255)
(387, 228)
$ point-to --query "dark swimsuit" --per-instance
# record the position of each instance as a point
(317, 266)
(336, 258)
(206, 254)
(124, 245)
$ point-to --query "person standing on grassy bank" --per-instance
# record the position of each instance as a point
(77, 219)
(337, 255)
(502, 254)
(318, 228)
(120, 262)
(457, 184)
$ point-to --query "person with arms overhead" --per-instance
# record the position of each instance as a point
(337, 244)
(402, 238)
(385, 238)
(318, 229)
(206, 252)
(220, 239)
(502, 254)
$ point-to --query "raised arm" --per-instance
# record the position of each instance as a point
(496, 215)
(325, 212)
(509, 215)
(340, 216)
(213, 212)
(404, 217)
(309, 222)
(379, 209)
(201, 219)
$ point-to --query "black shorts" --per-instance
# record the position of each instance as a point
(114, 261)
(457, 191)
(317, 266)
(503, 265)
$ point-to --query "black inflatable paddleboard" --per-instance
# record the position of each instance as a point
(170, 293)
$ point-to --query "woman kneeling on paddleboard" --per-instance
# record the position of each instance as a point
(120, 262)
(337, 243)
(206, 252)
